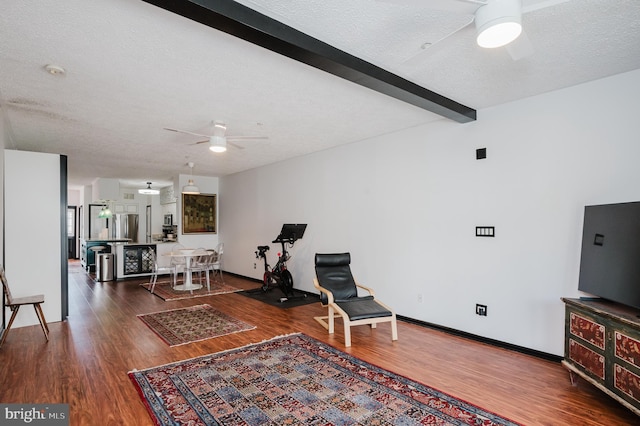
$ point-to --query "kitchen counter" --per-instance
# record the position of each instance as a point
(130, 259)
(108, 240)
(88, 257)
(134, 260)
(152, 243)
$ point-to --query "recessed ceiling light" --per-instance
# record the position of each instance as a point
(54, 69)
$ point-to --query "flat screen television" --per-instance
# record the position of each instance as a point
(610, 258)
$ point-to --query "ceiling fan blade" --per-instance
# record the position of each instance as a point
(239, 138)
(521, 47)
(455, 6)
(429, 48)
(234, 145)
(185, 131)
(231, 143)
(540, 4)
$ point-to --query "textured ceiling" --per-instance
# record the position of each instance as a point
(133, 69)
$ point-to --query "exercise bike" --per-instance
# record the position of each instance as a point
(279, 276)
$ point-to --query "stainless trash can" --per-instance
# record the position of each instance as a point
(105, 266)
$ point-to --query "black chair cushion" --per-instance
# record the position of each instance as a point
(362, 308)
(333, 259)
(334, 274)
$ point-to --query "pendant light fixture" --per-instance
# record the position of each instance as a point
(105, 212)
(148, 190)
(190, 187)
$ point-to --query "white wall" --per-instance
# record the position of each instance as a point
(408, 213)
(32, 231)
(74, 197)
(4, 141)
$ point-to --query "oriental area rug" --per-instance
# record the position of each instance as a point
(295, 379)
(192, 324)
(165, 291)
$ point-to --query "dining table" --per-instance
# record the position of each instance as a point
(188, 255)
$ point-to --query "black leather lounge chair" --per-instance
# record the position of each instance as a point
(339, 292)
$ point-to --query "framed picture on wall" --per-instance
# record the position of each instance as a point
(199, 214)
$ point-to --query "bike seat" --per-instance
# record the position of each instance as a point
(263, 248)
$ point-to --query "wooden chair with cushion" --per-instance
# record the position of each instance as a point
(339, 292)
(14, 304)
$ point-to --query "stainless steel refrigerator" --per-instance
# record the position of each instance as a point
(126, 226)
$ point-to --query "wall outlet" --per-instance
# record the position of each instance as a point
(481, 310)
(420, 298)
(254, 266)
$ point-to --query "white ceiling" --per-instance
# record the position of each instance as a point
(133, 69)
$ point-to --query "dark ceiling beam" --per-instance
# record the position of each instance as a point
(245, 23)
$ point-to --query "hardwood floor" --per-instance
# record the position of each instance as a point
(86, 361)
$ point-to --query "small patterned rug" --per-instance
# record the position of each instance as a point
(165, 291)
(295, 379)
(192, 324)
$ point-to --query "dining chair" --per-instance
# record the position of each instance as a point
(176, 261)
(14, 303)
(158, 269)
(203, 264)
(216, 265)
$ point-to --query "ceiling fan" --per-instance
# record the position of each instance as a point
(497, 22)
(218, 140)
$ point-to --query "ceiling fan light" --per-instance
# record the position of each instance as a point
(218, 143)
(219, 128)
(499, 35)
(498, 23)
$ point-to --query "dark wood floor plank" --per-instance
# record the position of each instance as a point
(86, 361)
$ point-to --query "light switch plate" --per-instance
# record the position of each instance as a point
(485, 231)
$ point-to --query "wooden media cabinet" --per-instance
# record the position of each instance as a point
(602, 345)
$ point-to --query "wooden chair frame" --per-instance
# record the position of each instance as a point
(328, 321)
(14, 303)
